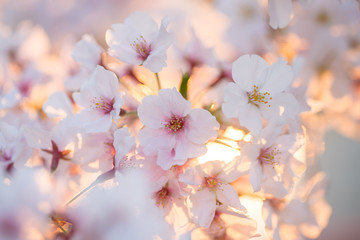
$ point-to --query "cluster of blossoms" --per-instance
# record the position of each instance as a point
(151, 138)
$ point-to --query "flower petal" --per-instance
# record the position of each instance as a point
(203, 207)
(228, 196)
(246, 69)
(201, 126)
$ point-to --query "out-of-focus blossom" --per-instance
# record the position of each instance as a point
(13, 149)
(87, 53)
(272, 166)
(305, 213)
(227, 224)
(280, 12)
(101, 100)
(138, 41)
(211, 185)
(126, 211)
(26, 205)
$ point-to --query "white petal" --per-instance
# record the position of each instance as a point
(154, 139)
(150, 113)
(256, 175)
(123, 142)
(58, 105)
(203, 207)
(87, 52)
(106, 82)
(185, 149)
(276, 78)
(250, 117)
(280, 12)
(234, 98)
(246, 69)
(155, 62)
(228, 196)
(173, 103)
(37, 138)
(191, 176)
(201, 126)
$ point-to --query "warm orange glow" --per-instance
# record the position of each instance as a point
(217, 151)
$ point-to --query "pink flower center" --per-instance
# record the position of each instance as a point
(175, 124)
(4, 157)
(103, 105)
(255, 97)
(211, 182)
(162, 196)
(141, 47)
(268, 156)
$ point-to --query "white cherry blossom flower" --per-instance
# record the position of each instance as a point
(173, 131)
(259, 91)
(211, 181)
(139, 41)
(101, 100)
(272, 166)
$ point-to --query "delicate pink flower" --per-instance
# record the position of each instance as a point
(173, 131)
(259, 91)
(138, 41)
(270, 161)
(101, 100)
(211, 181)
(13, 149)
(304, 213)
(227, 224)
(87, 53)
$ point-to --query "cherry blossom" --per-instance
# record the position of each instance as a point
(173, 131)
(272, 166)
(138, 41)
(101, 100)
(211, 181)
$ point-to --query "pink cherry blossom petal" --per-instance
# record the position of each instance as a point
(199, 124)
(203, 207)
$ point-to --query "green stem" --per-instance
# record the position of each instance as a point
(132, 113)
(158, 80)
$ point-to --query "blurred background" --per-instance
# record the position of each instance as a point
(67, 20)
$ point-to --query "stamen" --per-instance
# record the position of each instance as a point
(175, 124)
(103, 105)
(211, 182)
(141, 47)
(162, 196)
(255, 97)
(268, 156)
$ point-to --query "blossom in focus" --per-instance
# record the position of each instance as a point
(139, 41)
(173, 131)
(259, 91)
